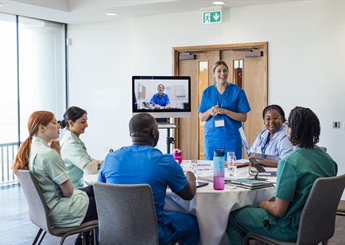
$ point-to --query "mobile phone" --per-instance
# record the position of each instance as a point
(200, 183)
(257, 165)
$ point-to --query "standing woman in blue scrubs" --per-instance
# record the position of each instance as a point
(223, 108)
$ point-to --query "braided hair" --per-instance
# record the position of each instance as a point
(305, 127)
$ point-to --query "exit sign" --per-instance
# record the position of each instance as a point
(210, 17)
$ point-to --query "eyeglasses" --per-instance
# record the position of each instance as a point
(267, 119)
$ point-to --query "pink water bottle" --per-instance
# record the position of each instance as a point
(177, 153)
(218, 170)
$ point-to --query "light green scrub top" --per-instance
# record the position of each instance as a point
(50, 171)
(75, 157)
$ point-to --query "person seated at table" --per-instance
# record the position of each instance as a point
(73, 150)
(40, 154)
(142, 163)
(160, 100)
(296, 174)
(272, 140)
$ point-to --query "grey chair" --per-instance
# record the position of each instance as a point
(317, 222)
(38, 211)
(126, 214)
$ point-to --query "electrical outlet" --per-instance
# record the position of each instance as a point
(336, 124)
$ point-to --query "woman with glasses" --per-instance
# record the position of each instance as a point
(273, 140)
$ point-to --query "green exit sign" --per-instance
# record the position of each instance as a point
(210, 17)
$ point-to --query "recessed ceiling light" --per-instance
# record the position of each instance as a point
(218, 3)
(111, 14)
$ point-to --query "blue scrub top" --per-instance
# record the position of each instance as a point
(162, 101)
(234, 99)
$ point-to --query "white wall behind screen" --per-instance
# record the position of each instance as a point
(306, 63)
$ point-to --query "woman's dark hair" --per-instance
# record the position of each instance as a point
(305, 127)
(73, 113)
(219, 63)
(274, 107)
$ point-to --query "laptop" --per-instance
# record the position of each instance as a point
(252, 171)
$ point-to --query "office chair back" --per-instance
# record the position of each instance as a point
(317, 222)
(126, 214)
(38, 211)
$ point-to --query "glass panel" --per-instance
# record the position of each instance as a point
(8, 79)
(42, 69)
(237, 79)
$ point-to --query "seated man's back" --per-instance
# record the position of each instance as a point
(141, 163)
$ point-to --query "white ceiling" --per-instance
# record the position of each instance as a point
(88, 11)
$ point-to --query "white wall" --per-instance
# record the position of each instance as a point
(306, 63)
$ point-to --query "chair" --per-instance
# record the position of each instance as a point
(126, 214)
(38, 211)
(317, 222)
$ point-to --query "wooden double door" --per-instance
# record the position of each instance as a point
(247, 68)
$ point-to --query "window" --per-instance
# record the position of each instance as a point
(32, 77)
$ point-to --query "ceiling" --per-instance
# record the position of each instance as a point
(88, 11)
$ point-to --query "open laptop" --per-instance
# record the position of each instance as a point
(253, 171)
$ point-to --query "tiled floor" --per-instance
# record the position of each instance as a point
(17, 229)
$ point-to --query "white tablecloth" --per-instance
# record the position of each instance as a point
(212, 208)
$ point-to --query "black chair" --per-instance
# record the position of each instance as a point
(38, 211)
(317, 222)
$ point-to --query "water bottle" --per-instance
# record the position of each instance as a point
(218, 169)
(177, 153)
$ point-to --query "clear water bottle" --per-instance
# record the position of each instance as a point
(218, 170)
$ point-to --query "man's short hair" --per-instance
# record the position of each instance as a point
(142, 123)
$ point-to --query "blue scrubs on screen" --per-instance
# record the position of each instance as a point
(228, 136)
(162, 101)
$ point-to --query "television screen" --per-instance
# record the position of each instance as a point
(162, 96)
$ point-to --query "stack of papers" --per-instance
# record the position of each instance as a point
(251, 183)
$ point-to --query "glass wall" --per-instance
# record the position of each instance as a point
(32, 77)
(8, 80)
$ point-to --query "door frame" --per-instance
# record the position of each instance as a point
(251, 129)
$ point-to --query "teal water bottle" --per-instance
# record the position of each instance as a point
(218, 169)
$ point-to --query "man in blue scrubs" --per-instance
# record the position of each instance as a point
(160, 100)
(142, 163)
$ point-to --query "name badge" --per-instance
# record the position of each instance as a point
(219, 123)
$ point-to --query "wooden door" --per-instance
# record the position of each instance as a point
(189, 137)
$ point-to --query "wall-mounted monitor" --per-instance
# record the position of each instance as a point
(148, 98)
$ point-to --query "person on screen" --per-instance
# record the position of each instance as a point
(273, 140)
(296, 174)
(223, 108)
(40, 154)
(160, 100)
(73, 150)
(142, 163)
